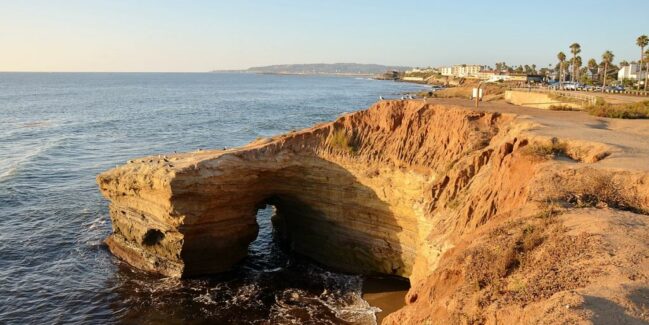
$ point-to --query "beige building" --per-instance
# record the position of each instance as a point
(487, 74)
(462, 70)
(446, 71)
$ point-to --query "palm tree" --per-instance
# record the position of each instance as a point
(592, 65)
(646, 75)
(607, 58)
(641, 41)
(575, 49)
(576, 64)
(562, 57)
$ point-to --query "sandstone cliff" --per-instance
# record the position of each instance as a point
(494, 217)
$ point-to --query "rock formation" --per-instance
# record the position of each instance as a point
(494, 217)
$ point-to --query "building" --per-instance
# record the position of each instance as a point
(467, 70)
(494, 76)
(631, 72)
(487, 74)
(462, 70)
(421, 70)
(446, 71)
(413, 79)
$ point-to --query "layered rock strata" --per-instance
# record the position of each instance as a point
(472, 207)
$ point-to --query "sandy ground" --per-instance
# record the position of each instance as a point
(385, 293)
(629, 139)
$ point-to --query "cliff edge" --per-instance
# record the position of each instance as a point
(494, 216)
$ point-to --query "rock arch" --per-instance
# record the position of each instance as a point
(353, 194)
(451, 198)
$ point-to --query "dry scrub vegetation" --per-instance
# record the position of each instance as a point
(602, 191)
(492, 91)
(638, 110)
(523, 262)
(342, 142)
(601, 108)
(547, 150)
(563, 107)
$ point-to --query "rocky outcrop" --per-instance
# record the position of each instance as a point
(486, 213)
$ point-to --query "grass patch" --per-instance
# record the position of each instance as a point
(343, 142)
(562, 107)
(491, 91)
(601, 190)
(454, 204)
(552, 148)
(550, 210)
(567, 99)
(638, 110)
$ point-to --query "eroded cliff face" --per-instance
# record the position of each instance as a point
(473, 207)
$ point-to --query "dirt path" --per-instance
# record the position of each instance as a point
(629, 139)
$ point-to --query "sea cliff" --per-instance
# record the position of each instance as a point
(493, 216)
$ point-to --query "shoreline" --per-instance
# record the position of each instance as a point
(386, 293)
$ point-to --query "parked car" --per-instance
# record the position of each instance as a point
(572, 86)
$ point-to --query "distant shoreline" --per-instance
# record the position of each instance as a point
(342, 74)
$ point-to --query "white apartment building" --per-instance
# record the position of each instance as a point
(421, 70)
(462, 70)
(446, 71)
(631, 72)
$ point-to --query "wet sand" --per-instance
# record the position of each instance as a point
(387, 293)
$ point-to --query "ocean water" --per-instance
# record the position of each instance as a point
(59, 130)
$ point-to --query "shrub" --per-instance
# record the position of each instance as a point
(567, 99)
(342, 142)
(602, 190)
(562, 107)
(638, 110)
(552, 148)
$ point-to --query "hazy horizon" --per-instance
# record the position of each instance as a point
(171, 36)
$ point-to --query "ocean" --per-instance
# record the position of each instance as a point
(59, 130)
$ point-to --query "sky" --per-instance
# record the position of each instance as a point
(197, 36)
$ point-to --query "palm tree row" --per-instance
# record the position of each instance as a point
(607, 60)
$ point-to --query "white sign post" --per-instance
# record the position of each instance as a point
(477, 94)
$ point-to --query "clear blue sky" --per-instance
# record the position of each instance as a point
(146, 35)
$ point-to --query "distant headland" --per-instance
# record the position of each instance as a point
(347, 69)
